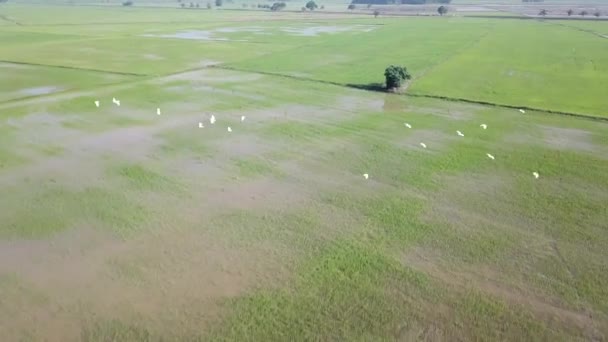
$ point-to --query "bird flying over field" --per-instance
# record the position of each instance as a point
(484, 126)
(423, 145)
(490, 156)
(536, 175)
(365, 175)
(212, 119)
(407, 125)
(460, 133)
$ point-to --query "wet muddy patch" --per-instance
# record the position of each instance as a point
(314, 31)
(568, 139)
(36, 91)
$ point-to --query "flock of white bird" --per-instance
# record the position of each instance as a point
(460, 134)
(212, 121)
(158, 112)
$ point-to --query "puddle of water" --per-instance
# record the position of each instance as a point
(194, 35)
(314, 31)
(215, 34)
(39, 90)
(153, 57)
(12, 66)
(239, 29)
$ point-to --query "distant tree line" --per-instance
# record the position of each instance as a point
(532, 0)
(398, 2)
(277, 6)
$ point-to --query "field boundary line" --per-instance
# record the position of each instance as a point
(74, 68)
(439, 97)
(580, 29)
(118, 85)
(5, 18)
(500, 105)
(460, 51)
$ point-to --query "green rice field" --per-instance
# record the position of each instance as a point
(120, 224)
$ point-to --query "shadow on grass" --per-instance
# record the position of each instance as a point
(379, 87)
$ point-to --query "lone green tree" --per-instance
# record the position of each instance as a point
(543, 12)
(597, 14)
(352, 7)
(570, 12)
(583, 13)
(442, 10)
(376, 13)
(219, 3)
(311, 5)
(395, 76)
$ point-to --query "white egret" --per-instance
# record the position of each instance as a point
(460, 133)
(97, 104)
(229, 129)
(423, 145)
(522, 111)
(536, 175)
(157, 111)
(484, 126)
(200, 125)
(212, 119)
(365, 175)
(490, 156)
(407, 125)
(242, 118)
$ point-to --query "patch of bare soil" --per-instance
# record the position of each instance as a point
(434, 140)
(153, 57)
(212, 90)
(298, 113)
(82, 153)
(568, 139)
(176, 277)
(486, 281)
(39, 90)
(259, 194)
(357, 103)
(13, 66)
(460, 204)
(206, 76)
(453, 112)
(242, 146)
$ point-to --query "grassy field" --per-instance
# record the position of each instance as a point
(118, 224)
(577, 73)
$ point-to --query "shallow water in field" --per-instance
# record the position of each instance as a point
(305, 31)
(314, 31)
(200, 35)
(39, 90)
